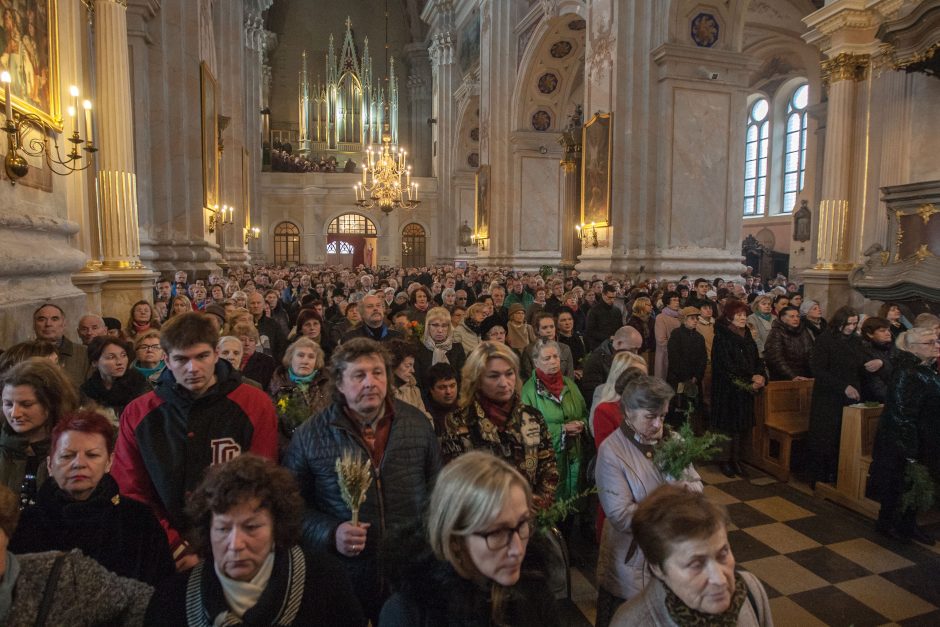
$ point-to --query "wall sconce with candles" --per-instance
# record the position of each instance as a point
(221, 218)
(585, 233)
(479, 240)
(17, 127)
(253, 233)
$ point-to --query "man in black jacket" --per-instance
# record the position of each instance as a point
(597, 363)
(366, 422)
(272, 338)
(373, 327)
(603, 319)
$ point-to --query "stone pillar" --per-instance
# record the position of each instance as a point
(128, 280)
(570, 245)
(419, 92)
(444, 75)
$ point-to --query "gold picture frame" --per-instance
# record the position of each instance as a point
(481, 205)
(597, 154)
(29, 51)
(209, 90)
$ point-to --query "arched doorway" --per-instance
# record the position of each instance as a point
(286, 244)
(413, 246)
(351, 241)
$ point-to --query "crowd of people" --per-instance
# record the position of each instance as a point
(189, 452)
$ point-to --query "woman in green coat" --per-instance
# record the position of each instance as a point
(560, 402)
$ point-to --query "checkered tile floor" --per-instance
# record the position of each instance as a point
(821, 564)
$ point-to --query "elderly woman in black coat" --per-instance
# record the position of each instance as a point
(80, 507)
(836, 362)
(737, 374)
(788, 347)
(907, 432)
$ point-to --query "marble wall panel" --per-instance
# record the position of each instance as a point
(540, 204)
(700, 160)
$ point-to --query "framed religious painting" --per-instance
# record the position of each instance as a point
(482, 204)
(595, 170)
(210, 137)
(29, 51)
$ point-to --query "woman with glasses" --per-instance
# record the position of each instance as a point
(907, 432)
(626, 475)
(478, 558)
(149, 356)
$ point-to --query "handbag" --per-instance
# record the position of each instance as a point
(49, 591)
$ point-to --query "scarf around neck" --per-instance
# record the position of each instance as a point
(684, 615)
(498, 413)
(241, 596)
(554, 383)
(439, 350)
(670, 312)
(299, 380)
(149, 372)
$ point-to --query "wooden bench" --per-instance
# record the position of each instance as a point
(781, 416)
(859, 425)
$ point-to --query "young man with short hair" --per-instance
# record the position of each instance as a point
(199, 414)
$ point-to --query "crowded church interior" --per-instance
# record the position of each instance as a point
(470, 312)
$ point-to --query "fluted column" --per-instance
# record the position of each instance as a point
(441, 52)
(117, 180)
(832, 247)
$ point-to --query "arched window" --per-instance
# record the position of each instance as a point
(352, 223)
(757, 149)
(286, 244)
(413, 246)
(795, 147)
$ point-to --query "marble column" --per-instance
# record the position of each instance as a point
(128, 280)
(419, 92)
(444, 75)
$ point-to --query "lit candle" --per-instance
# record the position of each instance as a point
(72, 113)
(88, 131)
(364, 170)
(7, 79)
(73, 91)
(416, 192)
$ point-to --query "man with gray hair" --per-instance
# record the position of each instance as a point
(91, 326)
(49, 325)
(598, 361)
(373, 327)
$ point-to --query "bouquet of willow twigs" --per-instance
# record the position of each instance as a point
(673, 454)
(919, 488)
(355, 477)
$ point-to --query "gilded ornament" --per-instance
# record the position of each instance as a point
(927, 210)
(845, 66)
(899, 237)
(922, 253)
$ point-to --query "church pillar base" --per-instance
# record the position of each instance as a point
(670, 263)
(168, 256)
(831, 289)
(121, 289)
(90, 282)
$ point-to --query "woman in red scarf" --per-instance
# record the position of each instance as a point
(560, 402)
(492, 417)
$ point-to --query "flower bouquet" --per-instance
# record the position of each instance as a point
(355, 477)
(292, 410)
(678, 450)
(415, 330)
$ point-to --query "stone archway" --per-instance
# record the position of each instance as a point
(351, 240)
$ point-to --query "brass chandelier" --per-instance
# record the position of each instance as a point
(386, 175)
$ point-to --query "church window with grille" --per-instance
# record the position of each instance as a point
(794, 171)
(756, 153)
(286, 244)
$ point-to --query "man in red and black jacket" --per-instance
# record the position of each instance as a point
(199, 414)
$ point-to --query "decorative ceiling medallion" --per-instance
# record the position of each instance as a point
(560, 49)
(577, 25)
(548, 82)
(473, 160)
(475, 134)
(541, 120)
(704, 30)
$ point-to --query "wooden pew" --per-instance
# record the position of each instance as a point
(781, 416)
(859, 425)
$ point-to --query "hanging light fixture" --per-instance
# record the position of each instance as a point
(386, 176)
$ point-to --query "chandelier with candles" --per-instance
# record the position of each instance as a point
(386, 179)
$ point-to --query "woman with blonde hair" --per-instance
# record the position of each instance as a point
(437, 344)
(492, 417)
(179, 304)
(478, 560)
(761, 320)
(468, 331)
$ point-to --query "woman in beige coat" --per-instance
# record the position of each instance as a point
(625, 475)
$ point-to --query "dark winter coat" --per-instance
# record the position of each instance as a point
(382, 334)
(734, 357)
(908, 427)
(836, 362)
(575, 342)
(455, 357)
(603, 320)
(396, 496)
(645, 329)
(430, 593)
(596, 368)
(316, 397)
(17, 457)
(124, 390)
(260, 368)
(273, 339)
(327, 599)
(119, 533)
(875, 384)
(786, 352)
(688, 356)
(815, 328)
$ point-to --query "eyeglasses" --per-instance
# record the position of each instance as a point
(928, 343)
(149, 347)
(500, 539)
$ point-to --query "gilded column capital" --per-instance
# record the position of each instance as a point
(845, 66)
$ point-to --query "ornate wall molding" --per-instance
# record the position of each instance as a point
(843, 67)
(441, 49)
